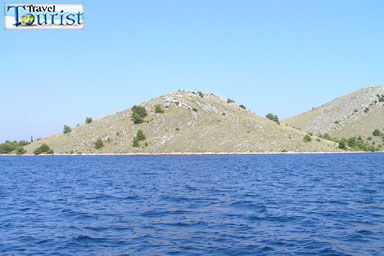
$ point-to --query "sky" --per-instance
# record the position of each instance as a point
(283, 57)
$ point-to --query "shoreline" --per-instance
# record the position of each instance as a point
(199, 153)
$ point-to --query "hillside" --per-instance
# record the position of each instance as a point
(355, 114)
(191, 123)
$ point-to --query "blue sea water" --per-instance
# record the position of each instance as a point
(192, 205)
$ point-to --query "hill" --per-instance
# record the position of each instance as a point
(191, 122)
(357, 114)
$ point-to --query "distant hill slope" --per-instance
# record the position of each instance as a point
(355, 114)
(191, 123)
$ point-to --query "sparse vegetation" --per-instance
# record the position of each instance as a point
(307, 138)
(67, 129)
(43, 149)
(99, 144)
(158, 109)
(88, 120)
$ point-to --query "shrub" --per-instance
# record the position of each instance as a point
(201, 94)
(177, 129)
(242, 106)
(366, 110)
(88, 120)
(158, 109)
(376, 132)
(194, 109)
(230, 101)
(137, 119)
(140, 135)
(381, 97)
(43, 149)
(307, 138)
(342, 145)
(99, 144)
(20, 150)
(135, 142)
(67, 129)
(326, 136)
(140, 110)
(272, 117)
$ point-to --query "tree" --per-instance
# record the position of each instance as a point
(140, 135)
(158, 109)
(99, 144)
(44, 148)
(307, 138)
(88, 120)
(67, 129)
(376, 132)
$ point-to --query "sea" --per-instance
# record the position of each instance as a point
(287, 204)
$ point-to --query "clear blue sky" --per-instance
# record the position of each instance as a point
(272, 56)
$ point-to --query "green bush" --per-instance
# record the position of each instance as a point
(20, 150)
(376, 132)
(326, 136)
(135, 142)
(272, 117)
(67, 129)
(88, 120)
(140, 110)
(99, 144)
(242, 106)
(140, 135)
(194, 109)
(230, 101)
(43, 149)
(158, 109)
(137, 119)
(201, 94)
(366, 110)
(307, 138)
(342, 145)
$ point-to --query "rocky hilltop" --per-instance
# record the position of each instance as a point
(357, 114)
(184, 122)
